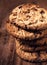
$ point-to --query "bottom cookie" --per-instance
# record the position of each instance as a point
(40, 56)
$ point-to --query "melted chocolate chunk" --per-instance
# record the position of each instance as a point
(42, 12)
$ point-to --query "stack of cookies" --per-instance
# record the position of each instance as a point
(28, 24)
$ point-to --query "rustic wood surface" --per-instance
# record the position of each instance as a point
(7, 42)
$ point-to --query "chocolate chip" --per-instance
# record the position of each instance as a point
(35, 9)
(41, 20)
(26, 26)
(43, 17)
(28, 16)
(11, 23)
(30, 23)
(14, 23)
(28, 10)
(24, 12)
(20, 6)
(42, 12)
(33, 22)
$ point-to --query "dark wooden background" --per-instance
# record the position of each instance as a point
(7, 42)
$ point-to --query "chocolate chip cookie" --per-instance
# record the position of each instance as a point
(31, 47)
(29, 16)
(32, 56)
(24, 34)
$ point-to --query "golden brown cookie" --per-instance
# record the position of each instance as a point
(29, 16)
(24, 34)
(38, 56)
(26, 46)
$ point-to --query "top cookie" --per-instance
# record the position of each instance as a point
(29, 16)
